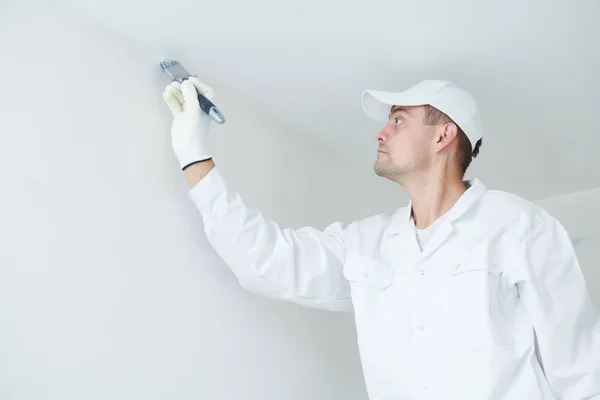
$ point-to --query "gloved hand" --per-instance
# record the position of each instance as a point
(190, 127)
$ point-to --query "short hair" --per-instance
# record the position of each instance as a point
(433, 116)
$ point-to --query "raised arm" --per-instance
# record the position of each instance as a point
(303, 266)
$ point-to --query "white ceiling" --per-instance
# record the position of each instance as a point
(533, 66)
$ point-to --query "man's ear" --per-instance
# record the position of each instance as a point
(445, 135)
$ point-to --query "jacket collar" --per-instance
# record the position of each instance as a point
(403, 216)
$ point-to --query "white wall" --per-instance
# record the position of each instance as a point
(108, 289)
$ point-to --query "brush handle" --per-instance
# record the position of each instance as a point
(210, 109)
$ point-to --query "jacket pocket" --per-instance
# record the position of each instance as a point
(369, 272)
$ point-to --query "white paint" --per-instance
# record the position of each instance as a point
(532, 65)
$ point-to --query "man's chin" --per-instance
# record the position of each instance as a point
(381, 170)
(385, 170)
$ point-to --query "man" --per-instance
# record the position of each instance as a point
(466, 293)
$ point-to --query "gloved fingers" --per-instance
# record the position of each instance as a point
(175, 89)
(172, 101)
(190, 95)
(206, 90)
(202, 88)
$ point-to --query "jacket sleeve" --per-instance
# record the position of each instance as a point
(302, 266)
(567, 326)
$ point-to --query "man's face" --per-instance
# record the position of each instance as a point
(405, 143)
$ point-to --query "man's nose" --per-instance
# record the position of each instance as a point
(382, 135)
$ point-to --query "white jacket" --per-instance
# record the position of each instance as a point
(494, 307)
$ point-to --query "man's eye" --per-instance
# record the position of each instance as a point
(398, 121)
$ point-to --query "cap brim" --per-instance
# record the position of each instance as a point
(376, 103)
(443, 95)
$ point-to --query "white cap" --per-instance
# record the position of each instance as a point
(455, 102)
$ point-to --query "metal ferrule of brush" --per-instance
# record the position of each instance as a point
(175, 72)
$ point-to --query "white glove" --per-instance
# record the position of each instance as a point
(189, 131)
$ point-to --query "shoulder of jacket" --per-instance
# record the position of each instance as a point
(523, 216)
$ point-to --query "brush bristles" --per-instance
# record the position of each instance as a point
(174, 70)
